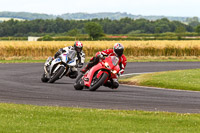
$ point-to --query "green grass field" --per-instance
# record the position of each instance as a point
(22, 61)
(182, 79)
(43, 119)
(129, 59)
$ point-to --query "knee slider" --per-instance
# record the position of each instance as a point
(115, 85)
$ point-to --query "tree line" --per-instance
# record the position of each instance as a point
(122, 26)
(80, 16)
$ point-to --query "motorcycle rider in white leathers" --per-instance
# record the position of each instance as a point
(78, 46)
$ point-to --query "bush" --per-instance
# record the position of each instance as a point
(14, 38)
(47, 38)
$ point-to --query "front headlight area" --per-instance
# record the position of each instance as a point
(107, 65)
(114, 71)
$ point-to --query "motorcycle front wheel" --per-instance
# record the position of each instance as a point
(56, 75)
(77, 84)
(99, 82)
(44, 78)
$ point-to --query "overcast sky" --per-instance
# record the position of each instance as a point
(186, 8)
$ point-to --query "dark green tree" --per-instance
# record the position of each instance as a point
(73, 32)
(47, 38)
(198, 29)
(180, 30)
(40, 27)
(94, 30)
(194, 23)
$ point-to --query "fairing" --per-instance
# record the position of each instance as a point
(101, 68)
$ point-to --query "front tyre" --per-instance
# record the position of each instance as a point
(56, 75)
(44, 78)
(99, 82)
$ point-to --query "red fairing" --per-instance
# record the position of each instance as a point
(114, 76)
(122, 59)
(90, 74)
(100, 68)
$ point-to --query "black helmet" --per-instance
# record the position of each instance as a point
(118, 49)
(78, 46)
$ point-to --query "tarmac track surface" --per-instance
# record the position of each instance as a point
(20, 83)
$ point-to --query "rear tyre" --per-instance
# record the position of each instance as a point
(99, 83)
(77, 84)
(56, 75)
(44, 78)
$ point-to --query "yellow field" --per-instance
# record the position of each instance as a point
(132, 48)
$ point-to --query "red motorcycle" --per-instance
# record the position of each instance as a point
(99, 74)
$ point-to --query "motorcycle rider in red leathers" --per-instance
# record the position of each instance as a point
(116, 51)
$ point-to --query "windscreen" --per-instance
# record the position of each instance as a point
(72, 54)
(115, 60)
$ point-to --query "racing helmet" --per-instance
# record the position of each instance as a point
(118, 49)
(78, 46)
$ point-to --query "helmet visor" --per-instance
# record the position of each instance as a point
(119, 52)
(78, 49)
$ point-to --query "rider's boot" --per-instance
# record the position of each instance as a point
(87, 67)
(113, 84)
(90, 64)
(108, 84)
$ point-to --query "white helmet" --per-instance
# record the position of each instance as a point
(118, 49)
(78, 46)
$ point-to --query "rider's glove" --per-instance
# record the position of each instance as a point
(120, 72)
(100, 56)
(118, 75)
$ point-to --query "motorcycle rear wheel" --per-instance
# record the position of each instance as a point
(99, 83)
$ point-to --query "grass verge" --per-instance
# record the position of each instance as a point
(129, 59)
(181, 79)
(22, 61)
(29, 118)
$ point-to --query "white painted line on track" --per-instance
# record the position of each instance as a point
(134, 73)
(158, 88)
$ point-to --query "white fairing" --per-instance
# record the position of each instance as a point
(65, 57)
(72, 63)
(58, 66)
(54, 62)
(81, 54)
(48, 60)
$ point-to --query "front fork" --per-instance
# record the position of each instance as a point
(101, 72)
(46, 72)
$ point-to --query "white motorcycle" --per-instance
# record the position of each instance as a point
(59, 67)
